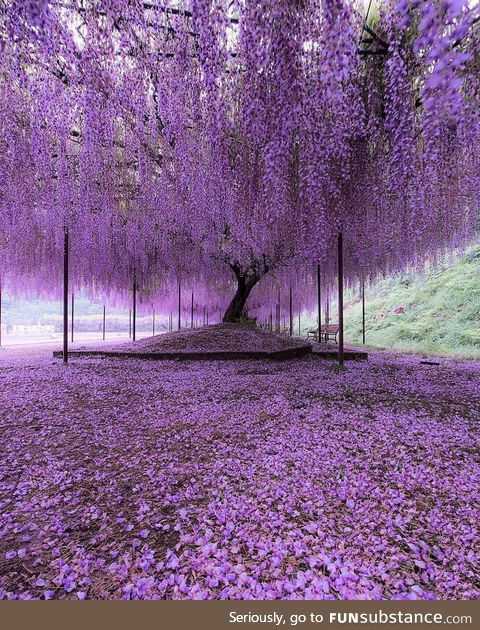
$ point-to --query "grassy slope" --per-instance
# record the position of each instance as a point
(442, 310)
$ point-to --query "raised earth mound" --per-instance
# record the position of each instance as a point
(209, 342)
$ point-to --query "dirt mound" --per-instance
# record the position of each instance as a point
(219, 341)
(215, 338)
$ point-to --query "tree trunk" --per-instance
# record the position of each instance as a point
(235, 308)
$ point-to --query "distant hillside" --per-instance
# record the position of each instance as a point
(437, 312)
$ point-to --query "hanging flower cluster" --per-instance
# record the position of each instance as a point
(196, 139)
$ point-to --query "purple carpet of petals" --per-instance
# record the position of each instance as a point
(247, 479)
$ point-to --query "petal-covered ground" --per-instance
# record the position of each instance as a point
(247, 479)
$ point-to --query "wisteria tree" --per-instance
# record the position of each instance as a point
(173, 137)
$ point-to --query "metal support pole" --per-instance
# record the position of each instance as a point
(207, 318)
(73, 312)
(129, 323)
(204, 315)
(179, 305)
(103, 329)
(291, 313)
(153, 324)
(299, 327)
(340, 299)
(319, 304)
(363, 311)
(134, 308)
(65, 296)
(191, 313)
(277, 314)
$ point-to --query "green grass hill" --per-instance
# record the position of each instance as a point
(435, 312)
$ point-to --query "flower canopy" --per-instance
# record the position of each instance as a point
(189, 139)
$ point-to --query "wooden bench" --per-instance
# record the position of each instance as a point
(327, 332)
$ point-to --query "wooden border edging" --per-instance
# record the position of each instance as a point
(348, 355)
(288, 353)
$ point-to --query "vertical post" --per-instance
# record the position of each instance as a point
(153, 324)
(340, 299)
(65, 296)
(363, 311)
(207, 318)
(277, 314)
(103, 328)
(279, 306)
(204, 318)
(319, 303)
(0, 315)
(134, 307)
(179, 305)
(327, 311)
(291, 312)
(73, 312)
(129, 323)
(299, 327)
(191, 313)
(270, 323)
